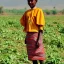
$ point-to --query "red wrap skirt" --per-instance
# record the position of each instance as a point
(34, 53)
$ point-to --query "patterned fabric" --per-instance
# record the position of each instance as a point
(33, 52)
(31, 19)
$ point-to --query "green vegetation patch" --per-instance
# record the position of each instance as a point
(13, 49)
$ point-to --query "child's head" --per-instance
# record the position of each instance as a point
(32, 3)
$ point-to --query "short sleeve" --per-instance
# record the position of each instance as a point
(23, 19)
(40, 18)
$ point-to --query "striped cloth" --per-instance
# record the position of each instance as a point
(33, 52)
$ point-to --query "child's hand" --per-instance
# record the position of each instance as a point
(37, 44)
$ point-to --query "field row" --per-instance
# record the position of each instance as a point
(13, 49)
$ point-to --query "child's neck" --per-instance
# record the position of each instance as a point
(33, 7)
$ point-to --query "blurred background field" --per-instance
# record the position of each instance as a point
(13, 49)
(12, 46)
(14, 11)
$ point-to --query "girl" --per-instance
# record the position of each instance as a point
(33, 22)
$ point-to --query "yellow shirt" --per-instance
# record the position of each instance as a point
(33, 20)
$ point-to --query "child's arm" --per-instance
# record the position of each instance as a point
(39, 32)
(22, 20)
(40, 22)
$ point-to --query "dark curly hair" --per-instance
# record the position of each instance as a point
(36, 0)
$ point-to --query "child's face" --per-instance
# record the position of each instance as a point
(32, 3)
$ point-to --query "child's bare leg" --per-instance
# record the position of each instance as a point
(41, 61)
(35, 62)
